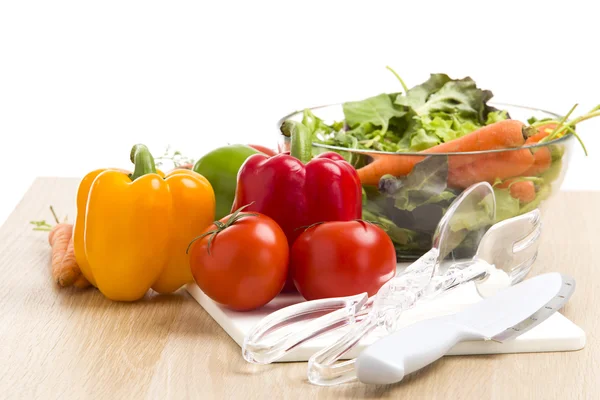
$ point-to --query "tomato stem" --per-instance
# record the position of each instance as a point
(221, 226)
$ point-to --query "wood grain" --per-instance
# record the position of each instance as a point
(76, 344)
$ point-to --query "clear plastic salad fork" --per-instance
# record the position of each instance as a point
(506, 252)
(262, 345)
(401, 293)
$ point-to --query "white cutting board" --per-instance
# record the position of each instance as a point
(557, 333)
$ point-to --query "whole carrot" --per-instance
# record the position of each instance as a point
(542, 157)
(499, 135)
(81, 282)
(524, 191)
(59, 239)
(542, 132)
(69, 271)
(490, 167)
(65, 271)
(542, 160)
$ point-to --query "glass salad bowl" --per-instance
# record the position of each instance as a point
(408, 193)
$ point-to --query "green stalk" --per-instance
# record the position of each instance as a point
(300, 140)
(574, 122)
(400, 79)
(54, 215)
(563, 120)
(142, 159)
(563, 126)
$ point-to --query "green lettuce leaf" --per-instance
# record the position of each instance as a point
(426, 180)
(315, 125)
(422, 140)
(438, 110)
(377, 110)
(461, 96)
(440, 126)
(447, 127)
(542, 194)
(442, 200)
(506, 205)
(445, 196)
(398, 235)
(417, 96)
(552, 173)
(475, 218)
(496, 116)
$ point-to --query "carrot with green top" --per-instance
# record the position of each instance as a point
(499, 135)
(563, 127)
(510, 164)
(65, 270)
(542, 132)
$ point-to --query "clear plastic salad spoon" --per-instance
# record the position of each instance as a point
(504, 257)
(265, 343)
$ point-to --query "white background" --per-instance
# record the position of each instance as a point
(82, 81)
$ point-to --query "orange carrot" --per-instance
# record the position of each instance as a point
(522, 190)
(492, 166)
(541, 155)
(81, 282)
(59, 239)
(499, 135)
(542, 160)
(65, 271)
(69, 271)
(542, 132)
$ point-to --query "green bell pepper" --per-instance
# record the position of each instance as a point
(221, 167)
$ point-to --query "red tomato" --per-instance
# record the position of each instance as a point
(246, 264)
(263, 149)
(344, 258)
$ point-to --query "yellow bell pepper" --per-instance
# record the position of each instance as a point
(132, 230)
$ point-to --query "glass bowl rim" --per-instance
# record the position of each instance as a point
(421, 154)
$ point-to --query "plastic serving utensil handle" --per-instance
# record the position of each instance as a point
(261, 348)
(410, 349)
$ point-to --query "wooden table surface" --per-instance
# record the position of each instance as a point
(74, 344)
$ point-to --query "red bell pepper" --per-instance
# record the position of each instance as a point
(295, 194)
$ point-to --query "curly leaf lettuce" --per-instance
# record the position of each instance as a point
(377, 110)
(437, 111)
(417, 96)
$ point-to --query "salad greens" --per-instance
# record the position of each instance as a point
(427, 181)
(409, 208)
(436, 111)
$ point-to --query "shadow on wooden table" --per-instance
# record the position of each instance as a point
(421, 377)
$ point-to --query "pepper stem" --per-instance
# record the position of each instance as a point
(142, 159)
(301, 140)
